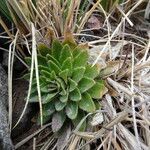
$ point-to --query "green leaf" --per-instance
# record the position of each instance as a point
(43, 49)
(72, 85)
(64, 74)
(97, 105)
(44, 68)
(58, 120)
(59, 105)
(78, 74)
(45, 119)
(33, 88)
(80, 60)
(98, 90)
(62, 85)
(46, 74)
(54, 67)
(5, 11)
(75, 95)
(78, 119)
(43, 88)
(77, 51)
(67, 64)
(50, 57)
(85, 84)
(42, 60)
(48, 109)
(87, 103)
(92, 72)
(68, 36)
(28, 60)
(48, 97)
(56, 49)
(64, 98)
(48, 88)
(65, 53)
(43, 79)
(72, 110)
(34, 97)
(53, 75)
(26, 76)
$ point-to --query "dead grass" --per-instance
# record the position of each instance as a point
(123, 123)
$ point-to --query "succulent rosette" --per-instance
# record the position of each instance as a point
(70, 87)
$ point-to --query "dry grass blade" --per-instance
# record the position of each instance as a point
(29, 90)
(31, 136)
(87, 15)
(147, 11)
(117, 28)
(115, 121)
(34, 50)
(133, 101)
(18, 15)
(10, 76)
(125, 108)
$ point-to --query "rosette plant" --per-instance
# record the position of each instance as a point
(69, 85)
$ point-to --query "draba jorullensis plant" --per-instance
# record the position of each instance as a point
(69, 85)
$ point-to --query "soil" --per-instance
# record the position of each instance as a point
(26, 126)
(20, 88)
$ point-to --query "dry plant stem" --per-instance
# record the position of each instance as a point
(103, 142)
(88, 35)
(10, 75)
(146, 51)
(118, 86)
(116, 145)
(136, 37)
(139, 121)
(37, 12)
(27, 45)
(85, 135)
(48, 143)
(116, 30)
(87, 15)
(36, 71)
(133, 103)
(108, 28)
(121, 116)
(15, 5)
(56, 18)
(126, 17)
(34, 143)
(145, 112)
(74, 142)
(5, 37)
(29, 90)
(92, 44)
(39, 142)
(69, 19)
(42, 16)
(10, 35)
(31, 136)
(138, 67)
(109, 142)
(6, 50)
(76, 14)
(123, 89)
(6, 29)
